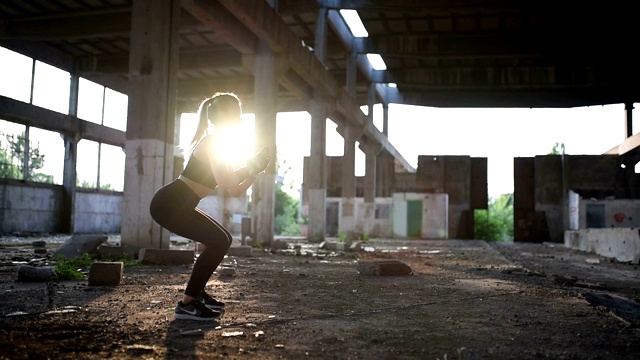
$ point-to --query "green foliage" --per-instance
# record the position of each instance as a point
(496, 223)
(12, 155)
(71, 268)
(286, 214)
(558, 149)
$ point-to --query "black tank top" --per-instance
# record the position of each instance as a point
(199, 171)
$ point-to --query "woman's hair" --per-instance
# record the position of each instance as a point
(203, 113)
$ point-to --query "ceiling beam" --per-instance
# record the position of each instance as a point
(431, 5)
(77, 25)
(219, 19)
(190, 59)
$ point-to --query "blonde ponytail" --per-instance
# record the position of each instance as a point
(203, 122)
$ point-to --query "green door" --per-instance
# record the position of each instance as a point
(414, 218)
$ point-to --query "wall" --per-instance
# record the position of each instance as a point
(382, 222)
(29, 208)
(97, 212)
(618, 213)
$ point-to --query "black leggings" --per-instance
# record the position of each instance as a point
(174, 208)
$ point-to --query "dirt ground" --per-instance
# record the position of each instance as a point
(464, 300)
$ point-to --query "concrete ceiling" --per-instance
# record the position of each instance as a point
(459, 53)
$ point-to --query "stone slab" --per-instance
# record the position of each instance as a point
(149, 256)
(106, 273)
(78, 245)
(383, 268)
(241, 250)
(622, 244)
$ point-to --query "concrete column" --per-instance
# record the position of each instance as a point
(317, 170)
(371, 101)
(371, 152)
(265, 103)
(69, 182)
(628, 114)
(346, 225)
(385, 119)
(352, 74)
(70, 161)
(320, 45)
(149, 148)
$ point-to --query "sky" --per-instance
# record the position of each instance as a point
(497, 134)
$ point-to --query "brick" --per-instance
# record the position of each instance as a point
(383, 268)
(279, 244)
(165, 257)
(241, 250)
(105, 273)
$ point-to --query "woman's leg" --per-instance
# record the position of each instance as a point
(174, 208)
(198, 226)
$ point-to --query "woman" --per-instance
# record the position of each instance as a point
(174, 205)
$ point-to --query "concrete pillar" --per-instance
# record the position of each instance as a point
(149, 148)
(628, 114)
(371, 101)
(371, 152)
(352, 74)
(265, 103)
(385, 119)
(348, 217)
(70, 161)
(320, 45)
(317, 170)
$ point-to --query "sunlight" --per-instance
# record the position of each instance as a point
(377, 62)
(354, 22)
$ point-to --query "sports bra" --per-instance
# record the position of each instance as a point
(199, 171)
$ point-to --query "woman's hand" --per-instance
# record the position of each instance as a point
(260, 161)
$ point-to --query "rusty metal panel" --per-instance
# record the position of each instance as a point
(479, 190)
(523, 184)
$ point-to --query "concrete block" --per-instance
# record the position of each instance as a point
(278, 244)
(622, 244)
(383, 268)
(105, 273)
(166, 257)
(28, 273)
(226, 271)
(116, 252)
(242, 250)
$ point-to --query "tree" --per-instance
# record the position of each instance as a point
(12, 153)
(558, 149)
(496, 223)
(286, 213)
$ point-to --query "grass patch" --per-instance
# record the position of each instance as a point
(74, 268)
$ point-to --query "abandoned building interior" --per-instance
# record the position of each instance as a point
(412, 281)
(301, 55)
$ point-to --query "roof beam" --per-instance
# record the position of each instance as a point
(474, 46)
(198, 59)
(428, 5)
(219, 19)
(77, 25)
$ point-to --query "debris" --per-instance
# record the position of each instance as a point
(78, 245)
(40, 273)
(194, 332)
(258, 333)
(592, 261)
(232, 333)
(226, 271)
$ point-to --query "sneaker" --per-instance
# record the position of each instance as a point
(210, 302)
(195, 311)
